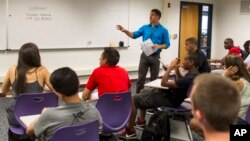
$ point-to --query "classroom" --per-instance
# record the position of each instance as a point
(75, 34)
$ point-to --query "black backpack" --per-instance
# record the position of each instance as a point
(158, 128)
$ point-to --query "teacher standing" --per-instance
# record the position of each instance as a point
(160, 38)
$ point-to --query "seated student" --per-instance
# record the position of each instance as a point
(236, 71)
(108, 77)
(75, 111)
(247, 46)
(191, 47)
(229, 45)
(29, 76)
(171, 97)
(247, 49)
(215, 105)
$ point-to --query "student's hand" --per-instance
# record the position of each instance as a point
(230, 71)
(121, 28)
(175, 63)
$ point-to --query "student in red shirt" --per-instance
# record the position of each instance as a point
(229, 44)
(108, 78)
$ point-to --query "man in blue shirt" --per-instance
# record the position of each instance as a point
(160, 37)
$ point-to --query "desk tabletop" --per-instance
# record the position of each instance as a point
(93, 96)
(28, 119)
(155, 84)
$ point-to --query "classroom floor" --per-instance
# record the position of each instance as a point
(178, 129)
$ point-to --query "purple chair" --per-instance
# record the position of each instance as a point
(31, 104)
(248, 115)
(84, 132)
(115, 109)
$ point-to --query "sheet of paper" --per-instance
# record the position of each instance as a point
(146, 47)
(28, 119)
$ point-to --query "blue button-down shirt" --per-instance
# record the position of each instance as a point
(158, 34)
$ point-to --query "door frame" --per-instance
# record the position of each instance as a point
(209, 33)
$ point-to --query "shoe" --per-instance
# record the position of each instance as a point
(140, 124)
(128, 133)
(151, 111)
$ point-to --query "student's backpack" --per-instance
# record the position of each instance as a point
(158, 128)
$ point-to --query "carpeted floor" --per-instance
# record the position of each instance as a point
(3, 119)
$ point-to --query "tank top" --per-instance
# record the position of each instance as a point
(245, 98)
(33, 87)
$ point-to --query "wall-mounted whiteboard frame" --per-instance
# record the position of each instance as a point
(64, 24)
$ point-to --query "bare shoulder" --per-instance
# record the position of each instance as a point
(239, 83)
(41, 69)
(12, 70)
(10, 75)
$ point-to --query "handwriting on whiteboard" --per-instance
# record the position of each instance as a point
(38, 13)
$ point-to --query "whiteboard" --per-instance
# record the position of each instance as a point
(66, 23)
(3, 24)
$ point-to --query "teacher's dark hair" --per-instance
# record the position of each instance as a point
(157, 12)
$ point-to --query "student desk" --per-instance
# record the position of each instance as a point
(28, 119)
(157, 84)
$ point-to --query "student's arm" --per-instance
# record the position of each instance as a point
(6, 83)
(40, 124)
(177, 73)
(30, 129)
(165, 79)
(122, 29)
(86, 94)
(230, 71)
(46, 76)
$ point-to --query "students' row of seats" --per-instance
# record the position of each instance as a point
(115, 110)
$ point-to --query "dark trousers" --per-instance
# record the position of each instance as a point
(147, 62)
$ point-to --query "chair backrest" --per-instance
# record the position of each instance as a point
(33, 103)
(115, 109)
(248, 115)
(83, 132)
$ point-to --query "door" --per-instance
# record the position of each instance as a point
(196, 21)
(189, 25)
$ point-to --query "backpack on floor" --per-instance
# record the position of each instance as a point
(158, 128)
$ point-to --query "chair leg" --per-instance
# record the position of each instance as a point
(189, 130)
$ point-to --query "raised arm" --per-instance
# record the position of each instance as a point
(165, 79)
(122, 29)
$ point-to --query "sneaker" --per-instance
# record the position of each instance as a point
(140, 124)
(128, 133)
(151, 111)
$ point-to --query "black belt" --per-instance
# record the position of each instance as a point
(155, 54)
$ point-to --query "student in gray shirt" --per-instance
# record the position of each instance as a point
(75, 111)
